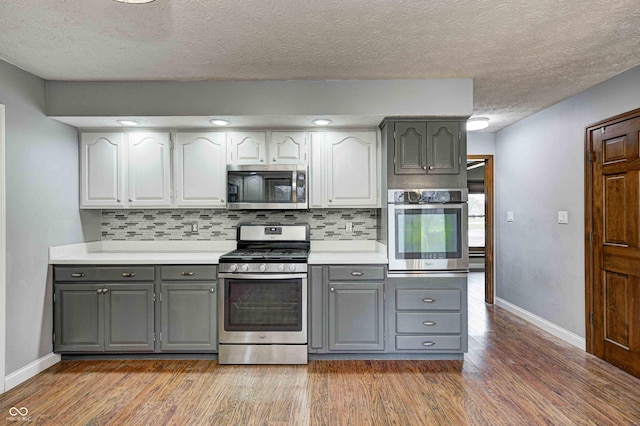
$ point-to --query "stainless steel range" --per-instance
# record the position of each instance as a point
(262, 295)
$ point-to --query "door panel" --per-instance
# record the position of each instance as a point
(129, 317)
(410, 148)
(615, 209)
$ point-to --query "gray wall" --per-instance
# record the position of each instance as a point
(540, 170)
(42, 211)
(481, 143)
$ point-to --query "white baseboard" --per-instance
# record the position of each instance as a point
(549, 327)
(28, 371)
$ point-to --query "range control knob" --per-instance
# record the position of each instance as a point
(263, 267)
(244, 268)
(292, 267)
(280, 268)
(233, 267)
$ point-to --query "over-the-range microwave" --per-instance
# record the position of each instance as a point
(256, 187)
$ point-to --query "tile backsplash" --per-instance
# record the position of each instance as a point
(325, 224)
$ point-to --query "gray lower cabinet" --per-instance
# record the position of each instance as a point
(103, 317)
(346, 308)
(188, 309)
(428, 314)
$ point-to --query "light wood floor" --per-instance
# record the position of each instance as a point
(513, 374)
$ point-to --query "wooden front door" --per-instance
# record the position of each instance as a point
(615, 246)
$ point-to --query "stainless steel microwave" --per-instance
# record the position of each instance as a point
(268, 187)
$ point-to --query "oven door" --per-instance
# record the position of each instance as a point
(426, 237)
(262, 308)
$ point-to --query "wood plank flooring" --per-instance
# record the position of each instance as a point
(514, 374)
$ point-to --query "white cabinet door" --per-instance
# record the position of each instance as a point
(247, 147)
(317, 170)
(352, 172)
(102, 170)
(149, 175)
(287, 148)
(200, 163)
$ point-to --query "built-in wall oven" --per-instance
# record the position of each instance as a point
(262, 297)
(427, 230)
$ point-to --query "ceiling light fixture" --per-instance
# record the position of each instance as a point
(134, 1)
(322, 121)
(478, 123)
(219, 122)
(128, 122)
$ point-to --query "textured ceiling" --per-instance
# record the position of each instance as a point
(523, 55)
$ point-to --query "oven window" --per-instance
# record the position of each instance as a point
(263, 305)
(428, 233)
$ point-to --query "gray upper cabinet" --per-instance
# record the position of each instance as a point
(443, 148)
(410, 148)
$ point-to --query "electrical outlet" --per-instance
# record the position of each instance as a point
(563, 217)
(510, 217)
(194, 227)
(348, 227)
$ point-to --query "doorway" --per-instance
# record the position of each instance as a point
(481, 219)
(612, 240)
(3, 254)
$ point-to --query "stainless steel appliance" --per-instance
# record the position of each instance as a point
(427, 230)
(262, 298)
(267, 187)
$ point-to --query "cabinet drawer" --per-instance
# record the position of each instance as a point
(429, 343)
(428, 300)
(187, 272)
(419, 322)
(103, 273)
(352, 273)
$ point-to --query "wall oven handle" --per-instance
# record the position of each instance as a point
(263, 277)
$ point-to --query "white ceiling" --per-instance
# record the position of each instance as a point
(523, 55)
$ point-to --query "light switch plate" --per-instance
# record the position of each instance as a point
(563, 217)
(510, 217)
(348, 228)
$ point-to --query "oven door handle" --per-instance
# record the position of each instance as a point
(263, 276)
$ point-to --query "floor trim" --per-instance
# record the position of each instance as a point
(28, 371)
(549, 327)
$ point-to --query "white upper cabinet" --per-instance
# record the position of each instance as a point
(149, 174)
(247, 147)
(287, 148)
(344, 169)
(200, 164)
(102, 167)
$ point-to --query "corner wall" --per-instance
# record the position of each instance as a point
(42, 211)
(539, 171)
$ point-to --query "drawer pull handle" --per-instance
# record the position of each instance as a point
(128, 274)
(428, 300)
(188, 274)
(356, 273)
(78, 274)
(428, 343)
(212, 290)
(429, 323)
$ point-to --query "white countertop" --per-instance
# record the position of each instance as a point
(204, 252)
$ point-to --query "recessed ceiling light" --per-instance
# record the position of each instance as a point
(219, 122)
(128, 122)
(322, 121)
(478, 123)
(134, 1)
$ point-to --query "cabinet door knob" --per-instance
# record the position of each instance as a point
(78, 275)
(212, 290)
(429, 323)
(430, 167)
(105, 290)
(332, 289)
(262, 161)
(130, 200)
(118, 200)
(188, 274)
(424, 167)
(274, 160)
(128, 274)
(428, 343)
(99, 291)
(222, 200)
(428, 300)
